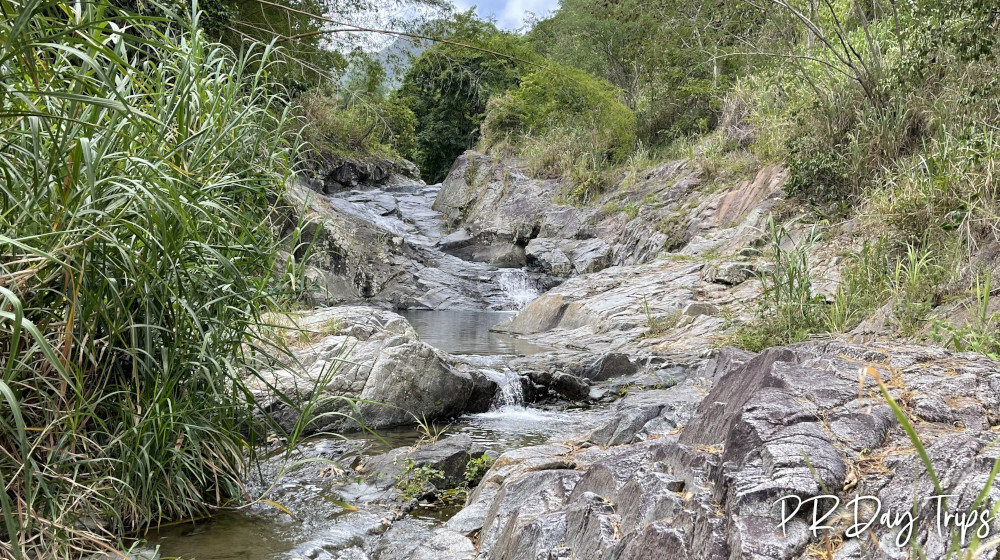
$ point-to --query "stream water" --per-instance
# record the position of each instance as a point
(341, 517)
(324, 528)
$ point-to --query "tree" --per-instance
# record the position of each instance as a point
(673, 60)
(449, 85)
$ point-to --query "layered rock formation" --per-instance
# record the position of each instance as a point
(671, 478)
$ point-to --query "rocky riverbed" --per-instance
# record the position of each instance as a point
(594, 411)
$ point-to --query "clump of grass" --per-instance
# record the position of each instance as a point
(428, 430)
(657, 324)
(140, 173)
(982, 332)
(865, 285)
(787, 309)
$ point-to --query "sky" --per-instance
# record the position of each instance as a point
(509, 14)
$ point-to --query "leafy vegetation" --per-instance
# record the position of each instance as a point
(787, 310)
(449, 85)
(476, 469)
(141, 170)
(414, 479)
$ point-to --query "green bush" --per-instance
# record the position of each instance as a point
(816, 171)
(359, 127)
(560, 97)
(448, 88)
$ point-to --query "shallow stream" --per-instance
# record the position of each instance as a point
(325, 527)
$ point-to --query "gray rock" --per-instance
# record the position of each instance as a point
(547, 255)
(407, 540)
(516, 525)
(729, 273)
(458, 239)
(612, 364)
(363, 252)
(570, 386)
(375, 356)
(330, 175)
(698, 308)
(413, 379)
(504, 255)
(450, 456)
(591, 255)
(788, 421)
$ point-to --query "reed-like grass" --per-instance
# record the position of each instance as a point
(139, 169)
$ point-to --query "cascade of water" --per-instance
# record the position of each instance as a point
(517, 287)
(509, 391)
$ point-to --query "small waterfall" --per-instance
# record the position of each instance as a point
(509, 391)
(517, 287)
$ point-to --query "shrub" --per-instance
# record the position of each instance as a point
(448, 88)
(358, 127)
(566, 98)
(815, 171)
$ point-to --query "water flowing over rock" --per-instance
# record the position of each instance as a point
(510, 391)
(384, 247)
(518, 287)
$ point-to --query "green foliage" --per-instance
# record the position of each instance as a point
(357, 127)
(913, 281)
(787, 310)
(558, 97)
(865, 286)
(982, 332)
(568, 124)
(448, 88)
(816, 171)
(140, 171)
(414, 479)
(476, 468)
(673, 60)
(428, 430)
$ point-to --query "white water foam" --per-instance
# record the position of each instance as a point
(509, 391)
(517, 287)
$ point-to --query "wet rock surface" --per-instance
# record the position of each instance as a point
(450, 457)
(680, 448)
(381, 247)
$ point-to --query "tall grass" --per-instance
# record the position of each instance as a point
(787, 310)
(140, 165)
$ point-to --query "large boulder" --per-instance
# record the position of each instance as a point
(371, 356)
(331, 175)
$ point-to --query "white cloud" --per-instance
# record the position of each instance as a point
(509, 14)
(513, 14)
